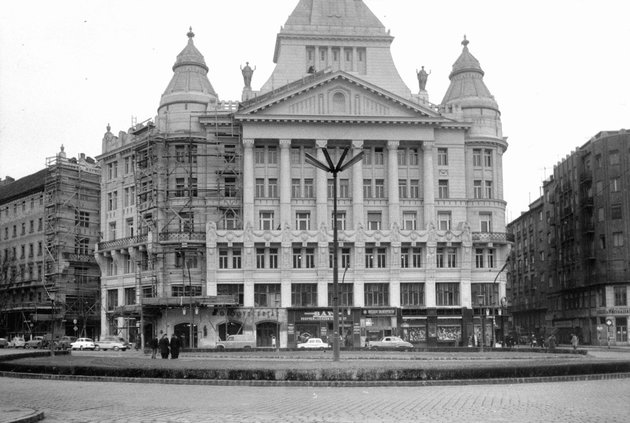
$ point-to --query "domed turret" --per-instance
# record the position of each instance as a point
(468, 98)
(188, 92)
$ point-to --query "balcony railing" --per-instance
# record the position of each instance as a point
(122, 242)
(495, 237)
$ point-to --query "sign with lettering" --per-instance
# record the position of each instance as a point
(379, 312)
(614, 310)
(314, 316)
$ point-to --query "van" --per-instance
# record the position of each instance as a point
(237, 341)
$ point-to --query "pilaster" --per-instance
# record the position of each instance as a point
(285, 182)
(248, 182)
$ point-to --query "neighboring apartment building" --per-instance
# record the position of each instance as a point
(49, 225)
(213, 220)
(569, 271)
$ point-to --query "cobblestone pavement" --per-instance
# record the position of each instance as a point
(72, 401)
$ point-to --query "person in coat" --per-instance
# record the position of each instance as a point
(154, 347)
(574, 341)
(164, 346)
(175, 345)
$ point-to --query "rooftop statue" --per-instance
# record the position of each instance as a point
(422, 78)
(247, 72)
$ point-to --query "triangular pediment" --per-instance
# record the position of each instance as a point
(335, 95)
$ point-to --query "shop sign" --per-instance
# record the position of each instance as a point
(291, 329)
(379, 312)
(242, 313)
(315, 316)
(614, 310)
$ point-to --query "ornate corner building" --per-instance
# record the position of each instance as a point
(569, 266)
(214, 224)
(49, 225)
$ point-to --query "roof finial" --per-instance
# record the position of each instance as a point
(108, 127)
(465, 42)
(190, 33)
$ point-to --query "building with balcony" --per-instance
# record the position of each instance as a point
(49, 225)
(213, 221)
(569, 267)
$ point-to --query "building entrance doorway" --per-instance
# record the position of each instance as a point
(183, 333)
(264, 333)
(622, 329)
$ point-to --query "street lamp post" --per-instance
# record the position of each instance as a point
(480, 303)
(52, 293)
(335, 169)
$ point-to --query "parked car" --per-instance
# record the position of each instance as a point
(314, 343)
(237, 341)
(393, 342)
(110, 343)
(83, 344)
(36, 342)
(17, 342)
(4, 343)
(65, 342)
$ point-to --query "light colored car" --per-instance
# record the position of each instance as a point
(4, 343)
(237, 341)
(36, 342)
(314, 343)
(17, 342)
(83, 344)
(393, 342)
(110, 343)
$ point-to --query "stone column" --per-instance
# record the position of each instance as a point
(428, 183)
(392, 170)
(357, 186)
(285, 182)
(248, 182)
(321, 184)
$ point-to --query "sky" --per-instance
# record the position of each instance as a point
(559, 70)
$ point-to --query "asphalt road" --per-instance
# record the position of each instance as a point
(72, 401)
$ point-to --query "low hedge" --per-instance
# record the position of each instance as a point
(328, 374)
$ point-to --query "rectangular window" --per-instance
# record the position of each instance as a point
(236, 258)
(488, 291)
(442, 156)
(235, 290)
(376, 294)
(296, 189)
(487, 158)
(379, 156)
(488, 186)
(479, 258)
(223, 258)
(308, 188)
(615, 186)
(374, 221)
(345, 294)
(112, 299)
(614, 157)
(414, 188)
(273, 188)
(402, 157)
(344, 188)
(259, 154)
(309, 255)
(260, 258)
(447, 294)
(379, 188)
(477, 189)
(443, 188)
(367, 188)
(485, 222)
(297, 258)
(273, 258)
(615, 212)
(621, 297)
(341, 220)
(409, 221)
(411, 294)
(295, 155)
(444, 221)
(303, 221)
(112, 231)
(330, 188)
(304, 294)
(617, 239)
(267, 295)
(402, 189)
(413, 156)
(260, 188)
(272, 155)
(477, 157)
(130, 296)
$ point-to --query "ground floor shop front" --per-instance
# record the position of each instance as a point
(287, 327)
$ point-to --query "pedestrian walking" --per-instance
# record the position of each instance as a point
(164, 346)
(273, 341)
(154, 347)
(574, 341)
(552, 342)
(175, 345)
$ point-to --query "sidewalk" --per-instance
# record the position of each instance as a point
(19, 415)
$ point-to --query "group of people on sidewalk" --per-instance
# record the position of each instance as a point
(166, 347)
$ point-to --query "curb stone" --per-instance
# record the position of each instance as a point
(20, 415)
